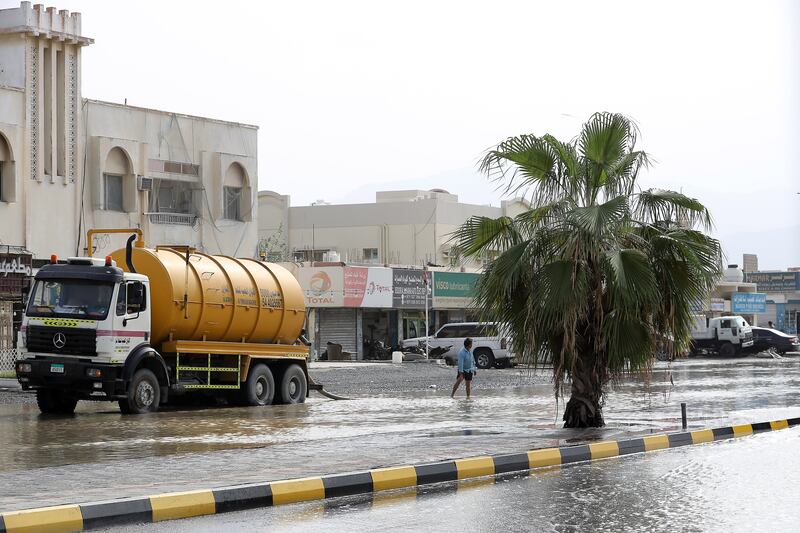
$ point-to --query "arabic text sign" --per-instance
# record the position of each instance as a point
(775, 281)
(408, 288)
(749, 302)
(15, 265)
(367, 287)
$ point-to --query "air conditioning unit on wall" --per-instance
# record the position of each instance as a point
(143, 183)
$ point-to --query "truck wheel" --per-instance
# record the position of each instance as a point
(259, 389)
(727, 350)
(484, 358)
(53, 402)
(144, 394)
(293, 385)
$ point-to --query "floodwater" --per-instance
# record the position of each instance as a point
(746, 484)
(108, 454)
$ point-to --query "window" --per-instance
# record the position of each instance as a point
(112, 184)
(317, 256)
(136, 297)
(70, 299)
(233, 201)
(725, 324)
(371, 255)
(129, 297)
(121, 300)
(447, 332)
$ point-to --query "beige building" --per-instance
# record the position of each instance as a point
(68, 164)
(412, 227)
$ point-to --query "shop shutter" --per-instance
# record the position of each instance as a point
(339, 326)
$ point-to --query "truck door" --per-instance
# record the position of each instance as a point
(132, 322)
(724, 333)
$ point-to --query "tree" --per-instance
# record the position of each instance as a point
(597, 272)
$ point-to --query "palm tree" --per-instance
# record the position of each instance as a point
(597, 273)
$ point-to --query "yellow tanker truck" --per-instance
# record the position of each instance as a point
(145, 325)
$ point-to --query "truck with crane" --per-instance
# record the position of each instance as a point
(144, 326)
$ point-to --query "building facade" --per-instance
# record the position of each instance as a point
(69, 164)
(411, 227)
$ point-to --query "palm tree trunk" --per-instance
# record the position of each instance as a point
(583, 408)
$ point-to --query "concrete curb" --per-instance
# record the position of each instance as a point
(176, 505)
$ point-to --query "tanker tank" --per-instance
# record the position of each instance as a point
(195, 296)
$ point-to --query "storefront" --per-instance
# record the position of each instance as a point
(15, 278)
(368, 290)
(360, 308)
(454, 297)
(782, 306)
(409, 290)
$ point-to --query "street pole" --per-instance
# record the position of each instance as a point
(427, 330)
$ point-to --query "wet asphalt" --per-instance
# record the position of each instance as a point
(398, 415)
(743, 485)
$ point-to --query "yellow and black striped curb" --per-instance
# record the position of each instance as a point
(222, 500)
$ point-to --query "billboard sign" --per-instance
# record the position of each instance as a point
(748, 302)
(454, 289)
(775, 281)
(368, 287)
(408, 288)
(322, 286)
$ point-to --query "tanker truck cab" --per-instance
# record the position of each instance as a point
(145, 326)
(83, 320)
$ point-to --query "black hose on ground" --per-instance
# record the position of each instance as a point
(317, 387)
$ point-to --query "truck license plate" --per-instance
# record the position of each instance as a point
(57, 369)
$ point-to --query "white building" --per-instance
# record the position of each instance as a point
(68, 164)
(411, 227)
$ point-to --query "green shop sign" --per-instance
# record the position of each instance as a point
(454, 289)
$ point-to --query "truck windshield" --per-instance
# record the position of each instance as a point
(70, 298)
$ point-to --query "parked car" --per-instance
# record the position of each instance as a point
(766, 338)
(489, 347)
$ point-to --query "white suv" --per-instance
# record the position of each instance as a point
(488, 347)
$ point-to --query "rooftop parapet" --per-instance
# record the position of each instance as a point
(47, 22)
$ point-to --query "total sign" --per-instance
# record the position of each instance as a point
(322, 286)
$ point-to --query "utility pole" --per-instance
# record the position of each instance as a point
(427, 328)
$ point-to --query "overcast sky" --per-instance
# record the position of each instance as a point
(354, 97)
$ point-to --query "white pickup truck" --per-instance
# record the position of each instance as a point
(726, 335)
(488, 346)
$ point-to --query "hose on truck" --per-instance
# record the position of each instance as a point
(317, 387)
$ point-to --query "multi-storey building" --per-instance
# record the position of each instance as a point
(69, 164)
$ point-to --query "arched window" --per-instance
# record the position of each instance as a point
(233, 188)
(8, 178)
(119, 189)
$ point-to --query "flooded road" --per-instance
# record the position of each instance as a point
(110, 455)
(747, 484)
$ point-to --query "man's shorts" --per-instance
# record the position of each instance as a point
(467, 376)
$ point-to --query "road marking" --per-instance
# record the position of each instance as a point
(702, 435)
(62, 518)
(297, 490)
(655, 442)
(602, 450)
(395, 477)
(475, 467)
(182, 504)
(545, 457)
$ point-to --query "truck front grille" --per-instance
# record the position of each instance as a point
(66, 341)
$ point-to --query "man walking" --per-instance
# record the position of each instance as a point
(466, 367)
